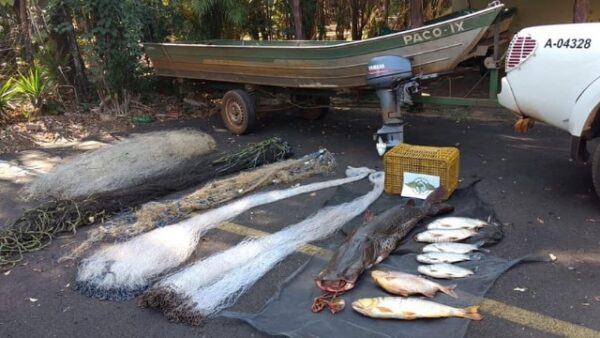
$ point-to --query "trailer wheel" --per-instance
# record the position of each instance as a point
(237, 111)
(596, 170)
(315, 113)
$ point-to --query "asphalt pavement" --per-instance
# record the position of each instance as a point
(546, 201)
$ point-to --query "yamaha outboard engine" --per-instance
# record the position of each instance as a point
(393, 80)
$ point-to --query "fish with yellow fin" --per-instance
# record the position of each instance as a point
(405, 284)
(410, 309)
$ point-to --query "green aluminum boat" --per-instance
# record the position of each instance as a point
(434, 48)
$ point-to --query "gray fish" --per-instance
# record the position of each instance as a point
(373, 242)
(444, 270)
(446, 257)
(436, 236)
(449, 223)
(463, 248)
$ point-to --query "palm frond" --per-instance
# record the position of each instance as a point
(7, 95)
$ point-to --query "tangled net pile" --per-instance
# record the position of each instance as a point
(123, 270)
(207, 286)
(36, 227)
(158, 214)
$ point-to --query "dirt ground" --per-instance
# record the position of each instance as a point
(546, 200)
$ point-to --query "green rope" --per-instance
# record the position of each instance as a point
(36, 228)
(269, 150)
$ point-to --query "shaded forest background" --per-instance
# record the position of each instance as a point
(90, 51)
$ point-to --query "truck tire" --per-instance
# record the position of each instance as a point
(238, 112)
(596, 170)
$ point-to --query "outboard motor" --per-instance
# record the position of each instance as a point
(392, 78)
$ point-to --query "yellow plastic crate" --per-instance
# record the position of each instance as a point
(442, 162)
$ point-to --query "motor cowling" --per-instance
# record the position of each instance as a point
(386, 71)
(392, 78)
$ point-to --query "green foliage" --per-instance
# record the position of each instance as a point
(7, 96)
(34, 87)
(220, 18)
(162, 21)
(52, 62)
(116, 33)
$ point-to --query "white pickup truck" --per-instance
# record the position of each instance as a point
(553, 75)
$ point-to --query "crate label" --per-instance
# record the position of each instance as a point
(419, 185)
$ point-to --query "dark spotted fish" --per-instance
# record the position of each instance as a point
(373, 242)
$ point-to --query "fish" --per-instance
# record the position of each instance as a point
(451, 223)
(436, 236)
(405, 284)
(462, 248)
(447, 257)
(372, 242)
(410, 309)
(444, 270)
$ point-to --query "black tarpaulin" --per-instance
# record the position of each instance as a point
(288, 312)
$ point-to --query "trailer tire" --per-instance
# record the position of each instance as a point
(315, 113)
(596, 170)
(238, 112)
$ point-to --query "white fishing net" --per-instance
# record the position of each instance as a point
(214, 283)
(124, 164)
(123, 270)
(158, 214)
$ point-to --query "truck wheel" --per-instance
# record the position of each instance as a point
(237, 111)
(596, 169)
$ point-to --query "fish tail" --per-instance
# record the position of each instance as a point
(436, 196)
(479, 246)
(449, 290)
(433, 203)
(476, 256)
(472, 312)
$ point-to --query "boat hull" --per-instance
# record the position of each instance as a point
(434, 48)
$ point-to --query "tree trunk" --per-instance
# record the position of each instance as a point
(66, 43)
(385, 15)
(354, 19)
(340, 17)
(416, 13)
(20, 7)
(581, 10)
(297, 14)
(322, 21)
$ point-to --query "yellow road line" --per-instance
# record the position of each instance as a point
(536, 320)
(498, 309)
(311, 250)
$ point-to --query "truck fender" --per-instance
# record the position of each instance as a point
(586, 107)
